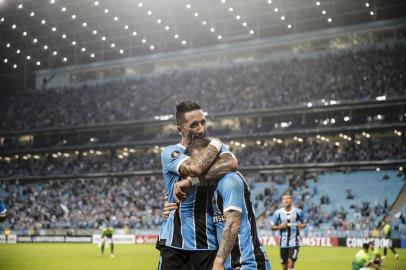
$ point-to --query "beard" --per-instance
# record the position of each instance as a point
(191, 136)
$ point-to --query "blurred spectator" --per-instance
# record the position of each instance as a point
(346, 75)
(289, 152)
(84, 204)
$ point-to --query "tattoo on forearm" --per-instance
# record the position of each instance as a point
(203, 160)
(230, 232)
(185, 168)
(219, 168)
(206, 157)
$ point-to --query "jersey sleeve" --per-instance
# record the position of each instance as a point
(301, 216)
(275, 218)
(232, 191)
(225, 149)
(172, 158)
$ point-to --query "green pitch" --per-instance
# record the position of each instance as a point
(145, 257)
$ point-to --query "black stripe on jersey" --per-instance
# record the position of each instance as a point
(220, 203)
(288, 236)
(297, 230)
(279, 222)
(259, 255)
(177, 230)
(236, 255)
(199, 211)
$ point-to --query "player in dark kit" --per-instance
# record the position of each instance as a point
(288, 220)
(187, 238)
(387, 234)
(107, 238)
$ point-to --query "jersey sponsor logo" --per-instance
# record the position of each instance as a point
(175, 154)
(219, 218)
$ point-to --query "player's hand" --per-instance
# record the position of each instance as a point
(218, 265)
(180, 189)
(300, 226)
(168, 207)
(283, 226)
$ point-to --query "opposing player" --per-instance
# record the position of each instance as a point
(187, 238)
(387, 234)
(288, 220)
(362, 260)
(107, 239)
(375, 254)
(239, 246)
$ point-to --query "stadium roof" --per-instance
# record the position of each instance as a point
(51, 33)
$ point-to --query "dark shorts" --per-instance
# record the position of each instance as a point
(289, 253)
(177, 259)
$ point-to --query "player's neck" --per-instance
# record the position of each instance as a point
(288, 208)
(184, 142)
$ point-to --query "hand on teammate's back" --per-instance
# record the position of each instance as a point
(300, 225)
(180, 189)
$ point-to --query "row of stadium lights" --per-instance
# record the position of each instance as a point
(128, 28)
(18, 51)
(323, 11)
(53, 30)
(73, 42)
(276, 10)
(143, 40)
(126, 152)
(238, 17)
(335, 102)
(159, 21)
(369, 7)
(85, 25)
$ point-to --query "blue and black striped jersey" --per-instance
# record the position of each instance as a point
(289, 237)
(191, 226)
(232, 193)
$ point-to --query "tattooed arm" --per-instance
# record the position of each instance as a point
(199, 163)
(224, 164)
(228, 238)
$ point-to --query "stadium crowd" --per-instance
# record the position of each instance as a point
(347, 75)
(311, 150)
(135, 202)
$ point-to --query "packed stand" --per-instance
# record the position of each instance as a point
(317, 151)
(135, 202)
(347, 75)
(311, 150)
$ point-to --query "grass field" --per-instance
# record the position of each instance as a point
(145, 257)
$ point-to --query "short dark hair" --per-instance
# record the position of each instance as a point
(184, 107)
(287, 193)
(197, 144)
(365, 245)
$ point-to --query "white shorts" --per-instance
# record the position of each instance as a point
(106, 240)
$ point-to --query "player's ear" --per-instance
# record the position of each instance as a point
(180, 131)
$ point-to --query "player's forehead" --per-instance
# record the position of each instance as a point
(194, 116)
